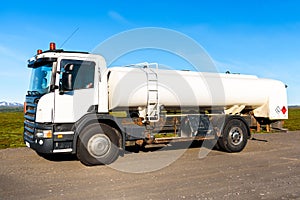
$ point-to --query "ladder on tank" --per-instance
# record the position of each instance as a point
(152, 109)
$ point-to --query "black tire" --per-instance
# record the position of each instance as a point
(98, 144)
(234, 136)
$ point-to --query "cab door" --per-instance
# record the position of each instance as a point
(74, 103)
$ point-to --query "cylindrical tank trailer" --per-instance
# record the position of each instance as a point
(129, 87)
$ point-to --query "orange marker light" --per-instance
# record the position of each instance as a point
(47, 134)
(52, 46)
(25, 109)
(39, 51)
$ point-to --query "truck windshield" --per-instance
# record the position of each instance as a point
(40, 79)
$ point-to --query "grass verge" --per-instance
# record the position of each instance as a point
(11, 129)
(293, 123)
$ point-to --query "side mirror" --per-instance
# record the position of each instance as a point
(67, 79)
(69, 67)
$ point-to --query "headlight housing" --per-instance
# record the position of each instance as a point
(43, 133)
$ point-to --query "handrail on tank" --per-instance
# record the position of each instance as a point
(143, 65)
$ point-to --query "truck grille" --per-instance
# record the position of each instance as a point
(29, 125)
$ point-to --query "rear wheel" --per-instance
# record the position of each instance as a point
(98, 144)
(234, 136)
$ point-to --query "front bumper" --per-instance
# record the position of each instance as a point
(41, 145)
(60, 142)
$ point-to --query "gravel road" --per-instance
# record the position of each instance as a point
(268, 168)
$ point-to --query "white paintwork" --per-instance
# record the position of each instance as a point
(44, 111)
(64, 109)
(102, 95)
(128, 88)
(71, 106)
(277, 99)
(27, 144)
(234, 110)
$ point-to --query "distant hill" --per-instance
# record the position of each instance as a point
(294, 106)
(10, 107)
(10, 104)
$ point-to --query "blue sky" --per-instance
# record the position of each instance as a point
(249, 37)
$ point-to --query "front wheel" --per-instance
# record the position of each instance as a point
(98, 144)
(234, 136)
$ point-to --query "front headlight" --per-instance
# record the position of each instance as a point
(43, 133)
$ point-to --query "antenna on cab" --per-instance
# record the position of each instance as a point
(68, 38)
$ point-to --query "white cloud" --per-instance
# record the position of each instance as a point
(119, 18)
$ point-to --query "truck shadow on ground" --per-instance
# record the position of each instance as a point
(208, 144)
(136, 149)
(173, 146)
(59, 157)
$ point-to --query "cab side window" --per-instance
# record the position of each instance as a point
(83, 73)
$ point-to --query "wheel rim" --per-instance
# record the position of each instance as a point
(99, 145)
(236, 136)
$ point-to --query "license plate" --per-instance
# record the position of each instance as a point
(27, 144)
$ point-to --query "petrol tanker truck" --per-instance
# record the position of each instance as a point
(77, 105)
